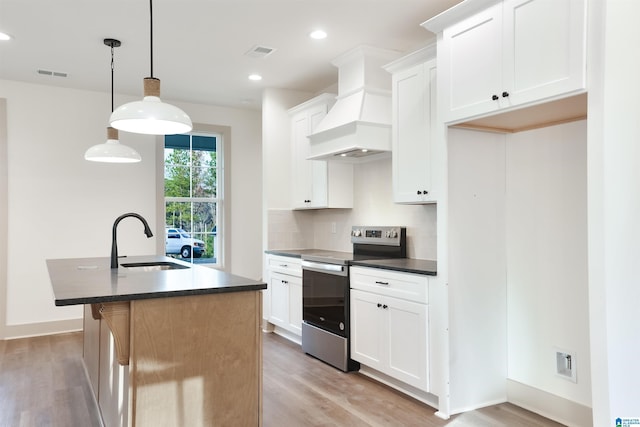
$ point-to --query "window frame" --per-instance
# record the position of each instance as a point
(222, 133)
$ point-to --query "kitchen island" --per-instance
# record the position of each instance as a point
(167, 343)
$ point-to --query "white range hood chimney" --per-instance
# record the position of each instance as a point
(359, 124)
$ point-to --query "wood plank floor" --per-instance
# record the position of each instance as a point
(42, 383)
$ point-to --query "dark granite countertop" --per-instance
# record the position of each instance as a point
(407, 265)
(91, 280)
(293, 253)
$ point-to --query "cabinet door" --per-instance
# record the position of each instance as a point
(413, 102)
(318, 168)
(279, 285)
(309, 180)
(544, 48)
(407, 341)
(470, 64)
(113, 393)
(368, 339)
(295, 305)
(302, 178)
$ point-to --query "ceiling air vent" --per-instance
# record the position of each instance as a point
(52, 73)
(258, 51)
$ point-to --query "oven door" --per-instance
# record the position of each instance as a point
(325, 296)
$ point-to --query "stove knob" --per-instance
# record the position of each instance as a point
(387, 234)
(394, 234)
(357, 233)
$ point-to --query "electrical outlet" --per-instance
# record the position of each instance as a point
(566, 365)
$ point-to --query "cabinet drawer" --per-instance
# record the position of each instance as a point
(285, 265)
(407, 286)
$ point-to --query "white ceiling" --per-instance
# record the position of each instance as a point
(200, 45)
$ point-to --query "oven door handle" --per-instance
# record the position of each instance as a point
(339, 270)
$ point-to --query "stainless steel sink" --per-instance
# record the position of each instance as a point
(153, 266)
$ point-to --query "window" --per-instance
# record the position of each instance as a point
(192, 165)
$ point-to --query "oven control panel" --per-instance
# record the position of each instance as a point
(385, 235)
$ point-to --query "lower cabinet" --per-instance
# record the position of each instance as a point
(109, 380)
(390, 334)
(286, 302)
(284, 279)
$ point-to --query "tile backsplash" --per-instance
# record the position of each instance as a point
(373, 205)
(313, 230)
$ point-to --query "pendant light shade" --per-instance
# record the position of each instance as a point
(112, 151)
(151, 116)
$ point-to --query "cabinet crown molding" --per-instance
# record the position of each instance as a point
(419, 56)
(458, 12)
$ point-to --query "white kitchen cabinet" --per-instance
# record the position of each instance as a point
(414, 112)
(511, 54)
(285, 286)
(389, 324)
(316, 184)
(286, 302)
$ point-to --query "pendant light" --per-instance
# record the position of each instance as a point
(151, 116)
(112, 151)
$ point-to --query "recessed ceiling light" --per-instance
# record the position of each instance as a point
(318, 35)
(255, 77)
(4, 36)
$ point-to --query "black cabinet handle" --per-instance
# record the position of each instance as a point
(505, 94)
(382, 283)
(494, 97)
(284, 282)
(385, 306)
(425, 192)
(419, 192)
(379, 305)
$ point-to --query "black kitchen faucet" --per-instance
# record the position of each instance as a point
(114, 243)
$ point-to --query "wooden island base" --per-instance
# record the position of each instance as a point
(193, 360)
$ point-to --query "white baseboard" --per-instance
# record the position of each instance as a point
(288, 335)
(549, 405)
(42, 328)
(421, 395)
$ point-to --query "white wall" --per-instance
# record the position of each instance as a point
(614, 208)
(61, 206)
(517, 263)
(546, 230)
(477, 269)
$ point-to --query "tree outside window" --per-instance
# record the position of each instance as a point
(191, 197)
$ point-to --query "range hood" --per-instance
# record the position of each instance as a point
(359, 124)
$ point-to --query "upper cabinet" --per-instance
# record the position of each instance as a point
(316, 184)
(413, 116)
(497, 56)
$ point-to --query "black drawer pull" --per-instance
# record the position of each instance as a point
(505, 94)
(379, 305)
(381, 283)
(494, 98)
(385, 306)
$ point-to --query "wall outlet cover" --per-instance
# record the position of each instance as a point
(566, 364)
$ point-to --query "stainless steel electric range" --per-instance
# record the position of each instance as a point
(325, 292)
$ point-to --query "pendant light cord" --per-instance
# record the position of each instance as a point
(112, 77)
(151, 33)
